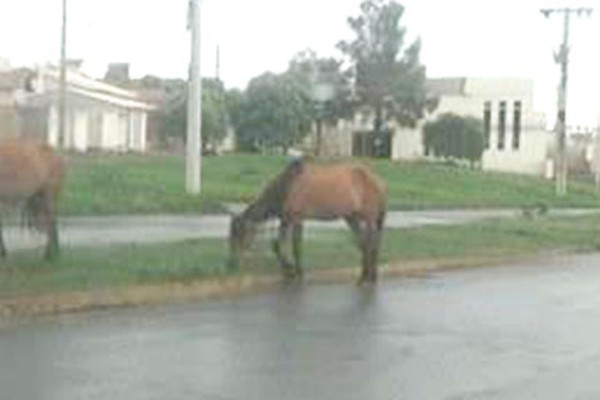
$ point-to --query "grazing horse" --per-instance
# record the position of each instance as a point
(31, 175)
(305, 190)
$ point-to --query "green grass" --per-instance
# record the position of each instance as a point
(426, 185)
(118, 266)
(119, 184)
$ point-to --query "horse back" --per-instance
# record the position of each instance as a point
(337, 190)
(27, 167)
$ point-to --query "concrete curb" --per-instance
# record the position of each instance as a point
(211, 288)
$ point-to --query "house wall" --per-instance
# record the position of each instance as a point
(137, 131)
(110, 129)
(529, 157)
(9, 121)
(79, 133)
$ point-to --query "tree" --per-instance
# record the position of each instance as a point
(173, 110)
(310, 70)
(454, 137)
(316, 74)
(275, 111)
(214, 113)
(389, 78)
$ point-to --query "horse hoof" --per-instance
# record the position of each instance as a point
(367, 280)
(292, 279)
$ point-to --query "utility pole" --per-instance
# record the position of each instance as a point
(194, 115)
(218, 64)
(562, 58)
(62, 84)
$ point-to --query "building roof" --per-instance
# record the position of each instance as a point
(15, 78)
(41, 86)
(445, 86)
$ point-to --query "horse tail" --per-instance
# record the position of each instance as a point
(36, 212)
(373, 184)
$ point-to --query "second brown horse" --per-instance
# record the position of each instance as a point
(305, 190)
(31, 175)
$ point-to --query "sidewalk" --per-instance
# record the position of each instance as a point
(108, 230)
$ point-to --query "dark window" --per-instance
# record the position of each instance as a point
(487, 122)
(501, 125)
(516, 125)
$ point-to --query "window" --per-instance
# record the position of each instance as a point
(501, 125)
(487, 122)
(516, 143)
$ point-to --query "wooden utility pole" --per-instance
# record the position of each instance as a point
(562, 58)
(194, 115)
(62, 84)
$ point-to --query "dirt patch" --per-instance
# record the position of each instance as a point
(182, 292)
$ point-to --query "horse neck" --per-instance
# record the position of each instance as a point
(271, 201)
(259, 211)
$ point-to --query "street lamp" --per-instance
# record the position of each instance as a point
(322, 92)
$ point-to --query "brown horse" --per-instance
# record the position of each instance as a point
(304, 190)
(31, 175)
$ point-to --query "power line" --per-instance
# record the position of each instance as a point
(562, 58)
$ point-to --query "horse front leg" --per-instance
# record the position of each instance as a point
(279, 245)
(297, 248)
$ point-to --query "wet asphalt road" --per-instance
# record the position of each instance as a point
(108, 230)
(521, 332)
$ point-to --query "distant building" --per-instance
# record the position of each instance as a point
(516, 135)
(98, 116)
(117, 73)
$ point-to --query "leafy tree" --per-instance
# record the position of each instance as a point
(214, 113)
(453, 136)
(275, 111)
(313, 74)
(474, 140)
(389, 78)
(173, 110)
(310, 70)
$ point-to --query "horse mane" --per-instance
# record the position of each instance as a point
(270, 202)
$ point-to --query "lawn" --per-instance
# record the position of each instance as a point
(118, 184)
(193, 260)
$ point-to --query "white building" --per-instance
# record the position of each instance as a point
(516, 135)
(517, 139)
(98, 115)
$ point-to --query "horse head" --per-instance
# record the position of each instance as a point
(241, 233)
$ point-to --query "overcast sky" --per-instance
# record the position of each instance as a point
(460, 38)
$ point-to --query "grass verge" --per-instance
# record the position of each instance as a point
(95, 273)
(121, 184)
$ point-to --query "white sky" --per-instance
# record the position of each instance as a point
(460, 38)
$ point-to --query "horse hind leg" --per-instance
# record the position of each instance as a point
(41, 216)
(361, 233)
(3, 252)
(297, 248)
(354, 223)
(372, 251)
(52, 246)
